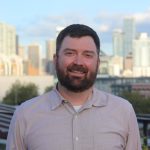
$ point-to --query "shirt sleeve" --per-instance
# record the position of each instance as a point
(133, 140)
(15, 139)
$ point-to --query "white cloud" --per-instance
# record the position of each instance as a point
(104, 28)
(104, 23)
(142, 17)
(46, 27)
(143, 21)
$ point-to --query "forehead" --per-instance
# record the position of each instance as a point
(85, 43)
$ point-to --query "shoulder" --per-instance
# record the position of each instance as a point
(37, 104)
(116, 107)
(114, 101)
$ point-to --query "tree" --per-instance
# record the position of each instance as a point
(19, 93)
(48, 88)
(140, 103)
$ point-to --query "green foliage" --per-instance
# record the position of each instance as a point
(144, 147)
(48, 88)
(2, 146)
(140, 104)
(19, 93)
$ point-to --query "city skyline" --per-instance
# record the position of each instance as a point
(37, 21)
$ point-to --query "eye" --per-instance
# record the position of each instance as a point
(88, 55)
(69, 53)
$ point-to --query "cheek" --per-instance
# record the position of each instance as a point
(63, 64)
(92, 65)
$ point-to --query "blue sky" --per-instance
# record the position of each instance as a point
(36, 20)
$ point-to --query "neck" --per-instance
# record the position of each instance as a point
(75, 98)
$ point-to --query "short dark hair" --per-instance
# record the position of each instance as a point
(77, 30)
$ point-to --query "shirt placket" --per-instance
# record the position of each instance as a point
(75, 125)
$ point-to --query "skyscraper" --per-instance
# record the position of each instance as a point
(129, 31)
(21, 51)
(34, 59)
(141, 55)
(7, 39)
(50, 51)
(117, 42)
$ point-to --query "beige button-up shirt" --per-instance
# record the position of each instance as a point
(48, 122)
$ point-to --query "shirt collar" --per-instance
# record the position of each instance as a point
(55, 99)
(98, 99)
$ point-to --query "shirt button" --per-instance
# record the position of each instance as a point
(77, 138)
(65, 101)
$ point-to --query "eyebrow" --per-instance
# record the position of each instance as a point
(85, 51)
(89, 51)
(69, 49)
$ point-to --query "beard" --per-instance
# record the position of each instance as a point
(74, 83)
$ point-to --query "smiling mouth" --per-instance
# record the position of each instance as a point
(78, 69)
(77, 74)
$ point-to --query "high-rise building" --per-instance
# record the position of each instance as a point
(7, 39)
(34, 59)
(21, 51)
(141, 55)
(128, 66)
(10, 65)
(17, 44)
(128, 62)
(117, 42)
(115, 66)
(50, 51)
(129, 31)
(104, 66)
(16, 65)
(5, 65)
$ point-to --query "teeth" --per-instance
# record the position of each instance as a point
(77, 71)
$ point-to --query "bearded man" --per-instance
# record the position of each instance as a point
(75, 115)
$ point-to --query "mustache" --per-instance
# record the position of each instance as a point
(79, 68)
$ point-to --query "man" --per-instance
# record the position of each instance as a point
(75, 115)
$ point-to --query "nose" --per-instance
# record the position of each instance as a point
(78, 60)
